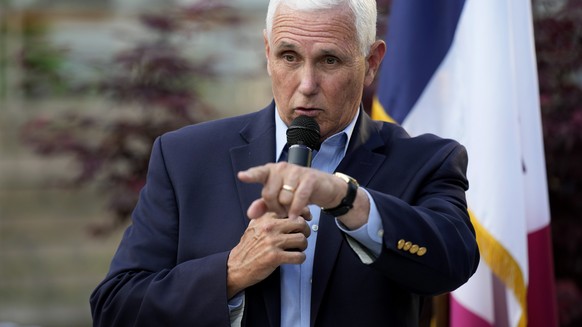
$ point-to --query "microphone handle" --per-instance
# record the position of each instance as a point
(299, 154)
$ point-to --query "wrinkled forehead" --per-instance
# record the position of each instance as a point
(321, 32)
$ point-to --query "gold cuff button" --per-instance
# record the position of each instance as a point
(414, 249)
(407, 246)
(421, 251)
(400, 244)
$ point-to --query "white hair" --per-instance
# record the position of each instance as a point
(364, 12)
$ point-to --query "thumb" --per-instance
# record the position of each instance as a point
(257, 209)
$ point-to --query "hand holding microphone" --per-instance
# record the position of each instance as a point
(289, 187)
(282, 192)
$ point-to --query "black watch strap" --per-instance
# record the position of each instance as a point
(348, 201)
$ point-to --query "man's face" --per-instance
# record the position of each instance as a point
(317, 68)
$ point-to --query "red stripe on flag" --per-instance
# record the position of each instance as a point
(460, 316)
(541, 292)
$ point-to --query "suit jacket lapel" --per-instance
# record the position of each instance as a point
(259, 149)
(360, 162)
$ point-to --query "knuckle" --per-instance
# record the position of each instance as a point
(281, 165)
(301, 257)
(268, 226)
(268, 194)
(303, 244)
(303, 193)
(273, 256)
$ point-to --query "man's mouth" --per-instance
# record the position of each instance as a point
(304, 111)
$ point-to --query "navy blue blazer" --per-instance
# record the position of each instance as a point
(170, 268)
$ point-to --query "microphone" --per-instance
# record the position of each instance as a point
(302, 137)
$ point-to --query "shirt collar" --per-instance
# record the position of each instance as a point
(281, 133)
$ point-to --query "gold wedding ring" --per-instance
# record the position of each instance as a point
(288, 188)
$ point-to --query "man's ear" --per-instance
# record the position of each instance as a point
(267, 50)
(377, 51)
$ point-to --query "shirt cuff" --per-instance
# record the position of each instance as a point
(370, 234)
(236, 309)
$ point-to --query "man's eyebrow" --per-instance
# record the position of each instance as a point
(329, 52)
(289, 46)
(284, 45)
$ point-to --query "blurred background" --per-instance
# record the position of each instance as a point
(86, 85)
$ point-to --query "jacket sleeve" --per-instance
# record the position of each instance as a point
(429, 244)
(146, 286)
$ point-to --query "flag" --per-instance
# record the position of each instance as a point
(466, 69)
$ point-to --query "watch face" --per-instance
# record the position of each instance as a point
(346, 178)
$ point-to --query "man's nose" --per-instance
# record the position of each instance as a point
(309, 83)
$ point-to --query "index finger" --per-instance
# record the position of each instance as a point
(258, 174)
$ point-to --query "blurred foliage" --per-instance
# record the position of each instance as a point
(559, 55)
(155, 77)
(40, 60)
(558, 33)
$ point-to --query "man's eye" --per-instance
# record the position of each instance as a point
(331, 60)
(289, 57)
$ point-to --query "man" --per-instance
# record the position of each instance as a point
(227, 233)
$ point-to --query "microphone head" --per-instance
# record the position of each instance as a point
(304, 130)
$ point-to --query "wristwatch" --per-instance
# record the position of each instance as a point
(348, 201)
